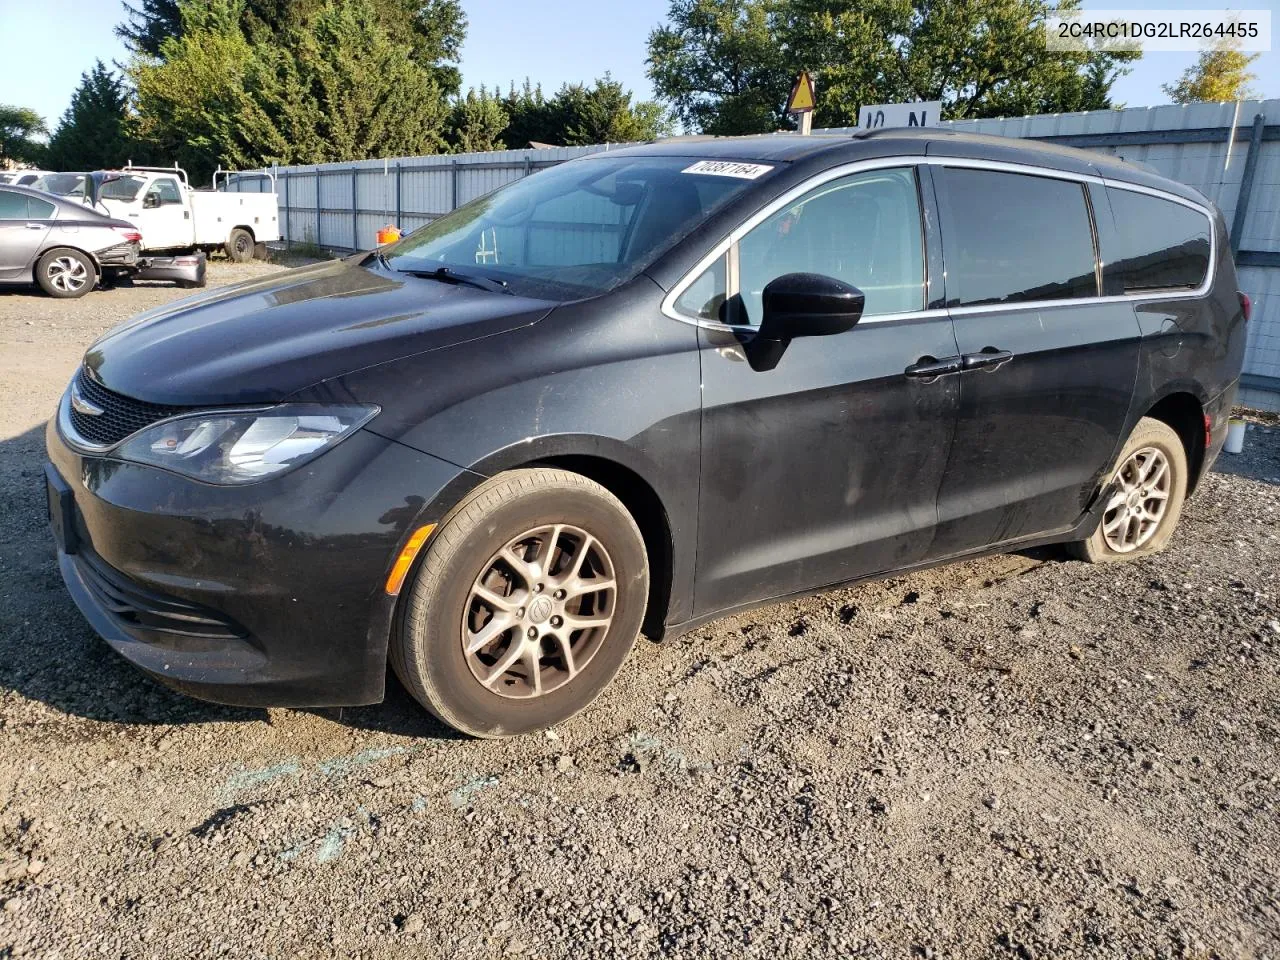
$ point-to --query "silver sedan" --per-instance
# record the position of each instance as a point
(60, 244)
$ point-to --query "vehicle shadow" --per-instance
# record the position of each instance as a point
(49, 654)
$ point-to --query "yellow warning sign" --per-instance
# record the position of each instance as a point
(801, 99)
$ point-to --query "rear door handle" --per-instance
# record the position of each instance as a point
(930, 368)
(989, 358)
(35, 226)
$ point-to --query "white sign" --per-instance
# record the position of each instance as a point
(728, 168)
(926, 114)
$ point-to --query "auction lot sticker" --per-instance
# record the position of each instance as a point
(729, 168)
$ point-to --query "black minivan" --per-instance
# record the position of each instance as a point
(637, 391)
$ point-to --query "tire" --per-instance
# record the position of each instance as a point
(1151, 443)
(441, 611)
(239, 246)
(65, 273)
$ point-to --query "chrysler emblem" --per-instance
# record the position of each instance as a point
(81, 405)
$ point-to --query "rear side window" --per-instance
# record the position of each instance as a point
(13, 206)
(1160, 245)
(1014, 238)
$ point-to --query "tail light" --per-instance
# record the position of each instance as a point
(1245, 304)
(130, 235)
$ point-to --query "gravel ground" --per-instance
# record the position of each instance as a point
(1022, 756)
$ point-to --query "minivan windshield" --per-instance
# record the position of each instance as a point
(578, 229)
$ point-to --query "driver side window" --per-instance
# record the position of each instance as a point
(864, 229)
(165, 191)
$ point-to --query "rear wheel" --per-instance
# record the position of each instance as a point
(529, 598)
(239, 245)
(65, 273)
(1147, 491)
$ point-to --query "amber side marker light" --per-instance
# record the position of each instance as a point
(407, 555)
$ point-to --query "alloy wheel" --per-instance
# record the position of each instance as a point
(67, 274)
(539, 611)
(1141, 498)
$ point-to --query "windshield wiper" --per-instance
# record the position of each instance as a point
(449, 275)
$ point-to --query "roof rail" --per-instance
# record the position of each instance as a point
(175, 169)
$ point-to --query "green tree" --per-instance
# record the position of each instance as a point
(332, 85)
(373, 99)
(603, 113)
(208, 100)
(1221, 73)
(720, 65)
(476, 123)
(93, 131)
(431, 31)
(149, 24)
(727, 68)
(579, 114)
(19, 129)
(531, 118)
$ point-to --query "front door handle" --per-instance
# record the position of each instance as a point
(989, 358)
(35, 226)
(930, 368)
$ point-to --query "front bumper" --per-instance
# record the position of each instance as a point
(269, 594)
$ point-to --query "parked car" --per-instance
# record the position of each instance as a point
(646, 388)
(59, 245)
(186, 268)
(173, 217)
(20, 178)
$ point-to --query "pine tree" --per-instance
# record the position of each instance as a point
(476, 123)
(93, 131)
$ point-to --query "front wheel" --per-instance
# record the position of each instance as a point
(526, 603)
(1147, 491)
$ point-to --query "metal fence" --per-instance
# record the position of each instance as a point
(1230, 152)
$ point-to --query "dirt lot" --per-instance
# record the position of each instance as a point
(1022, 756)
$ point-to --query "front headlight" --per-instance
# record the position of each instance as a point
(231, 448)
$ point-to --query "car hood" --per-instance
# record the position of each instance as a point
(261, 341)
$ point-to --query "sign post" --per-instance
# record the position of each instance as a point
(801, 101)
(924, 114)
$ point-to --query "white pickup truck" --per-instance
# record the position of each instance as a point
(174, 217)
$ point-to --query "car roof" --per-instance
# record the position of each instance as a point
(65, 204)
(910, 141)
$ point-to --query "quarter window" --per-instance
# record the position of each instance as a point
(38, 209)
(1160, 245)
(13, 206)
(705, 297)
(1014, 238)
(863, 229)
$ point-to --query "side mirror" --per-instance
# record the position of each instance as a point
(150, 201)
(809, 305)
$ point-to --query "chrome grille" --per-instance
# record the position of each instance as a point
(120, 415)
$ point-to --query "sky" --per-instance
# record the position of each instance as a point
(564, 41)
